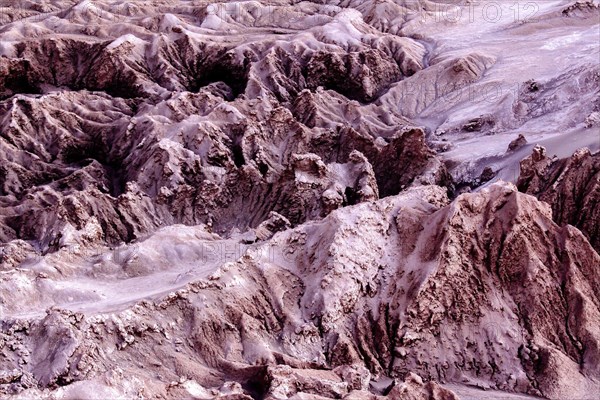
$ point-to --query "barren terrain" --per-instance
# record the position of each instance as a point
(305, 200)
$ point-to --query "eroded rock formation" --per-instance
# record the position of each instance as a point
(247, 200)
(571, 186)
(456, 292)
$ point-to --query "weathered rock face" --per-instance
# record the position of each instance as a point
(454, 292)
(361, 76)
(89, 157)
(155, 124)
(413, 388)
(571, 186)
(244, 200)
(510, 255)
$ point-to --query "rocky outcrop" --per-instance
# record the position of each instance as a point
(581, 8)
(152, 124)
(473, 297)
(244, 200)
(121, 170)
(571, 186)
(519, 142)
(370, 73)
(413, 388)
